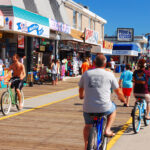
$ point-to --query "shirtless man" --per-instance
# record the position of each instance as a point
(18, 76)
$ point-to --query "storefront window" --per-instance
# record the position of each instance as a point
(80, 21)
(74, 19)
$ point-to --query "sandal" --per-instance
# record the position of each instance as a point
(109, 135)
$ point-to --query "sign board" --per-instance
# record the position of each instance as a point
(91, 36)
(58, 26)
(125, 34)
(125, 52)
(31, 28)
(107, 45)
(21, 41)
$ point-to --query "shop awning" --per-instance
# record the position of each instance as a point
(125, 49)
(25, 22)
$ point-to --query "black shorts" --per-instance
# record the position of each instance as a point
(16, 83)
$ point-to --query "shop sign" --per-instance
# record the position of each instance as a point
(107, 45)
(8, 23)
(58, 26)
(91, 36)
(106, 51)
(125, 52)
(1, 19)
(21, 41)
(125, 34)
(28, 27)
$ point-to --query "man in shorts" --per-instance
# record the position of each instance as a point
(95, 87)
(18, 77)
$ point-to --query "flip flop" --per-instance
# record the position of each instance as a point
(147, 118)
(109, 135)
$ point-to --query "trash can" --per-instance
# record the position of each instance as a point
(30, 79)
(118, 68)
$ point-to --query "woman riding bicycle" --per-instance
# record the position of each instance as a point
(140, 84)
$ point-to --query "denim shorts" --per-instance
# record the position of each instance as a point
(88, 119)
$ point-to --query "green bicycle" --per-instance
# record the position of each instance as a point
(10, 98)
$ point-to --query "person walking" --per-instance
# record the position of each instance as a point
(112, 63)
(126, 82)
(85, 66)
(58, 71)
(54, 71)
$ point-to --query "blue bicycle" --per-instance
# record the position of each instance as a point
(97, 140)
(138, 114)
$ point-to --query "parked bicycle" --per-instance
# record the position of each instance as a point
(10, 98)
(97, 140)
(138, 114)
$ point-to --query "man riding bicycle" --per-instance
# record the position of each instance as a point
(140, 84)
(18, 77)
(95, 87)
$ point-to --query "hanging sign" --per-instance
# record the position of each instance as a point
(21, 41)
(91, 36)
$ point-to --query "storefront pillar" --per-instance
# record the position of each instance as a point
(29, 53)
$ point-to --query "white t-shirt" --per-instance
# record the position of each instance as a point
(97, 84)
(112, 64)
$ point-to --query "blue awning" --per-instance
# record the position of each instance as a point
(126, 47)
(29, 16)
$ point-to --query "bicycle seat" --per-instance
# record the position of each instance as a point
(140, 97)
(97, 114)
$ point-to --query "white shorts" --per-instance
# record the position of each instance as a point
(146, 96)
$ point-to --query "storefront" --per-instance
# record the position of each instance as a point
(127, 53)
(18, 33)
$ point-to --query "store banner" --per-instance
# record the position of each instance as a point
(21, 41)
(125, 34)
(125, 52)
(24, 26)
(1, 19)
(58, 26)
(107, 45)
(91, 36)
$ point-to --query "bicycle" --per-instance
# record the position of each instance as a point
(10, 98)
(97, 140)
(138, 114)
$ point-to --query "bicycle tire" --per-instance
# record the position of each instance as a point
(5, 111)
(136, 122)
(104, 139)
(17, 101)
(92, 140)
(146, 122)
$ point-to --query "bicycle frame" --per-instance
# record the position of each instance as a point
(98, 123)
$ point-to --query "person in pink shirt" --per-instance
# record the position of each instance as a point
(62, 71)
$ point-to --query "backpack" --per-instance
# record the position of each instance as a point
(140, 78)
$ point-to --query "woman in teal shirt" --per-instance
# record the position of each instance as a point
(126, 82)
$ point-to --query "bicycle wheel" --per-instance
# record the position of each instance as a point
(146, 122)
(92, 141)
(104, 139)
(5, 103)
(136, 119)
(17, 101)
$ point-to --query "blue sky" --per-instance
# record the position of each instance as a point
(122, 13)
